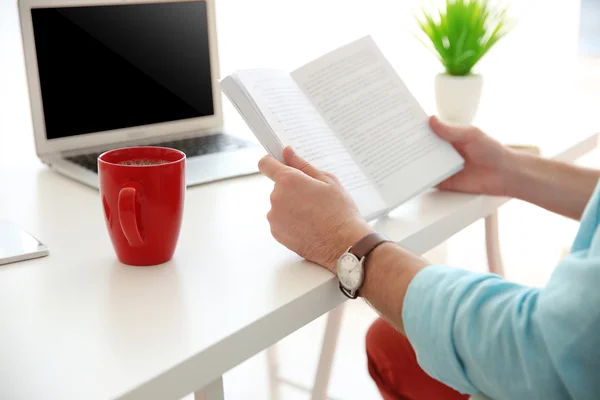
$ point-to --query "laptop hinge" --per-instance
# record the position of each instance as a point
(140, 142)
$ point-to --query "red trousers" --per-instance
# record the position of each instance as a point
(394, 368)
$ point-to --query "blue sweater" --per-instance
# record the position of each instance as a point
(480, 334)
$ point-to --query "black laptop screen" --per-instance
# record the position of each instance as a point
(112, 67)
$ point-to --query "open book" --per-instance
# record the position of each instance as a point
(348, 113)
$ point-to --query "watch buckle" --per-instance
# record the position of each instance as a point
(348, 293)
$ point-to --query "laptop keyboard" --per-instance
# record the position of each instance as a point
(192, 147)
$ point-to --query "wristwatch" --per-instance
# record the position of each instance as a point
(351, 265)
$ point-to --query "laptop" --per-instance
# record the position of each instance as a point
(105, 74)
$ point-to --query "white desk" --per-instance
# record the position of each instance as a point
(77, 324)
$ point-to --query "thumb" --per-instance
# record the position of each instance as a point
(293, 160)
(452, 134)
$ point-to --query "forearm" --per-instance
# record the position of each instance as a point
(447, 313)
(558, 187)
(389, 271)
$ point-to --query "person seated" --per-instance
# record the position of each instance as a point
(448, 333)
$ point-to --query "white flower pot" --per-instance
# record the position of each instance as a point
(457, 97)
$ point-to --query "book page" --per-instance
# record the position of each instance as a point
(297, 123)
(385, 130)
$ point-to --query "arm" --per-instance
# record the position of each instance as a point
(474, 332)
(478, 333)
(493, 169)
(561, 188)
(386, 283)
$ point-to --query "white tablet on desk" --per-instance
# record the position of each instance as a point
(18, 245)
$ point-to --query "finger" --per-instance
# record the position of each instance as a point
(452, 134)
(455, 183)
(270, 167)
(445, 185)
(292, 159)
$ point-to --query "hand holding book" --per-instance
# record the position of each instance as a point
(311, 213)
(350, 114)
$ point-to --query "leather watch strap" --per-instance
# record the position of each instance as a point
(365, 245)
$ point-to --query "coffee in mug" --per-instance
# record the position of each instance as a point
(143, 161)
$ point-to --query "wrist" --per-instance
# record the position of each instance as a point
(515, 173)
(348, 235)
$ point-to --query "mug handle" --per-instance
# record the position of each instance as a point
(127, 217)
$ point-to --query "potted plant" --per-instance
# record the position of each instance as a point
(460, 33)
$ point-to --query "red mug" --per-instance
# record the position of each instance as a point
(143, 192)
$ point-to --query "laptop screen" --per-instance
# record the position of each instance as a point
(111, 67)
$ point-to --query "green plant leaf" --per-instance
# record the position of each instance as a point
(461, 32)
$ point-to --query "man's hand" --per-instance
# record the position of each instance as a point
(487, 162)
(311, 214)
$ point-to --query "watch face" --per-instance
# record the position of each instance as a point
(350, 271)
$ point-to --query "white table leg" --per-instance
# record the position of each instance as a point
(214, 391)
(273, 370)
(332, 330)
(492, 244)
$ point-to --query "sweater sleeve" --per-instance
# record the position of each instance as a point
(481, 334)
